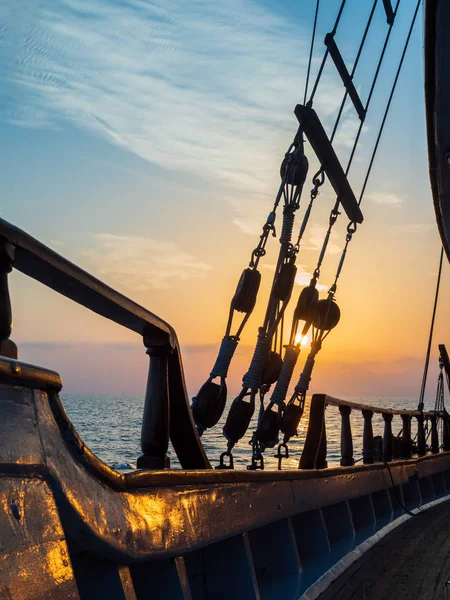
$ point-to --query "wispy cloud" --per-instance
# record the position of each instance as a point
(385, 198)
(141, 263)
(416, 227)
(250, 212)
(302, 278)
(174, 82)
(46, 345)
(314, 240)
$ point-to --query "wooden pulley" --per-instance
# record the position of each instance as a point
(304, 311)
(285, 282)
(239, 417)
(326, 315)
(208, 405)
(272, 368)
(269, 426)
(244, 298)
(295, 168)
(290, 420)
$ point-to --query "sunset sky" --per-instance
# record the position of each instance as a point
(143, 141)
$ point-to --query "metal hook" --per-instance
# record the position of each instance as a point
(281, 455)
(222, 464)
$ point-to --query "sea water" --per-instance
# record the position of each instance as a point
(111, 428)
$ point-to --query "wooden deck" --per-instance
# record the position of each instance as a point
(413, 561)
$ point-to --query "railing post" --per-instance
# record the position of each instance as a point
(445, 432)
(7, 346)
(367, 438)
(406, 435)
(155, 424)
(387, 437)
(421, 443)
(434, 435)
(346, 437)
(314, 455)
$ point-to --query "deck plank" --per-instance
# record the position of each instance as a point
(413, 561)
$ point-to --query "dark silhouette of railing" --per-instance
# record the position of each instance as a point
(314, 455)
(167, 414)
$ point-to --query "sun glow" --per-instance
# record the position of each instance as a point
(303, 341)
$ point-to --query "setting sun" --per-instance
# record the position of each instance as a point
(303, 341)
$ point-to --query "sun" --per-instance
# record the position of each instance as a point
(303, 341)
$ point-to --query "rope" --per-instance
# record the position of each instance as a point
(350, 231)
(394, 85)
(334, 213)
(223, 360)
(372, 89)
(325, 56)
(288, 225)
(311, 50)
(305, 376)
(355, 64)
(430, 336)
(282, 385)
(252, 379)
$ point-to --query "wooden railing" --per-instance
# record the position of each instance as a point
(167, 413)
(429, 437)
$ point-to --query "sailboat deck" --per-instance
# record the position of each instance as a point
(413, 561)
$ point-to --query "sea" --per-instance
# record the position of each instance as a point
(111, 427)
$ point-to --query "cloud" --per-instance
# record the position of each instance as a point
(46, 345)
(416, 227)
(140, 263)
(212, 349)
(202, 87)
(302, 278)
(385, 198)
(315, 240)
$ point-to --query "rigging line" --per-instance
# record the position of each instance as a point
(341, 109)
(313, 37)
(380, 131)
(325, 56)
(430, 337)
(358, 55)
(372, 89)
(355, 143)
(391, 95)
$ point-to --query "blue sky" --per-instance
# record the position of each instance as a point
(142, 139)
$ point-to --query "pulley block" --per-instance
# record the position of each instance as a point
(244, 299)
(272, 368)
(239, 417)
(326, 315)
(285, 282)
(290, 419)
(208, 405)
(294, 167)
(304, 311)
(269, 426)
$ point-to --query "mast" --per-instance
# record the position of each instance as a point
(437, 101)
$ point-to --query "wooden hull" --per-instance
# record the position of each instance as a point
(74, 528)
